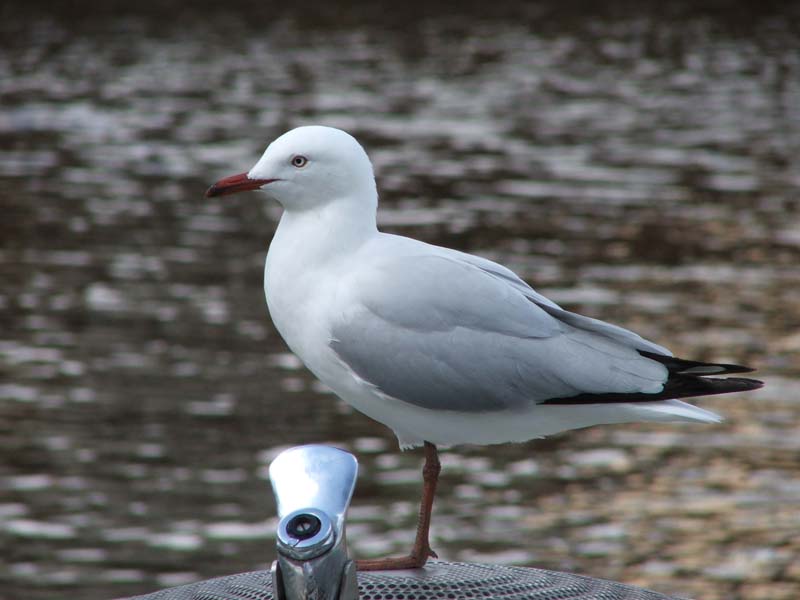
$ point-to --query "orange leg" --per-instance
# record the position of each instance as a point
(421, 550)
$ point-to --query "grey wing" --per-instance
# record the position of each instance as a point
(622, 335)
(444, 334)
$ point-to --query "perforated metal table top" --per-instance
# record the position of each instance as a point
(437, 580)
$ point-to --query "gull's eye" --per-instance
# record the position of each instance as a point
(299, 161)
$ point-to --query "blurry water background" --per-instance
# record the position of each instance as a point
(638, 162)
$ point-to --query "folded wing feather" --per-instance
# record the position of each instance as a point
(446, 333)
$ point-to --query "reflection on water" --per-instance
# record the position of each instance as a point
(637, 168)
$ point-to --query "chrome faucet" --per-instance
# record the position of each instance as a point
(313, 485)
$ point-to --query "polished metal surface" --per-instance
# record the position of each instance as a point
(313, 485)
(437, 580)
(314, 476)
(300, 546)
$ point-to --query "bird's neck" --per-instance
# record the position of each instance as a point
(325, 232)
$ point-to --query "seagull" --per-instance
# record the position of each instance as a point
(442, 346)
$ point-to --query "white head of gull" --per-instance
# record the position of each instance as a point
(443, 347)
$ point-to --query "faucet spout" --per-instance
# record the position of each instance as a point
(313, 486)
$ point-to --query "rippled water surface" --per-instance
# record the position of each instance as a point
(634, 166)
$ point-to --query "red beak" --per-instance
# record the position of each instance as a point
(235, 183)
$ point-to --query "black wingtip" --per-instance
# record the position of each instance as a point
(743, 384)
(683, 366)
(724, 368)
(677, 386)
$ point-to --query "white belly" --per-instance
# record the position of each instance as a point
(299, 307)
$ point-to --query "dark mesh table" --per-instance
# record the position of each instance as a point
(438, 580)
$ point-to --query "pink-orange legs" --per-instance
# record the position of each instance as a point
(422, 549)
